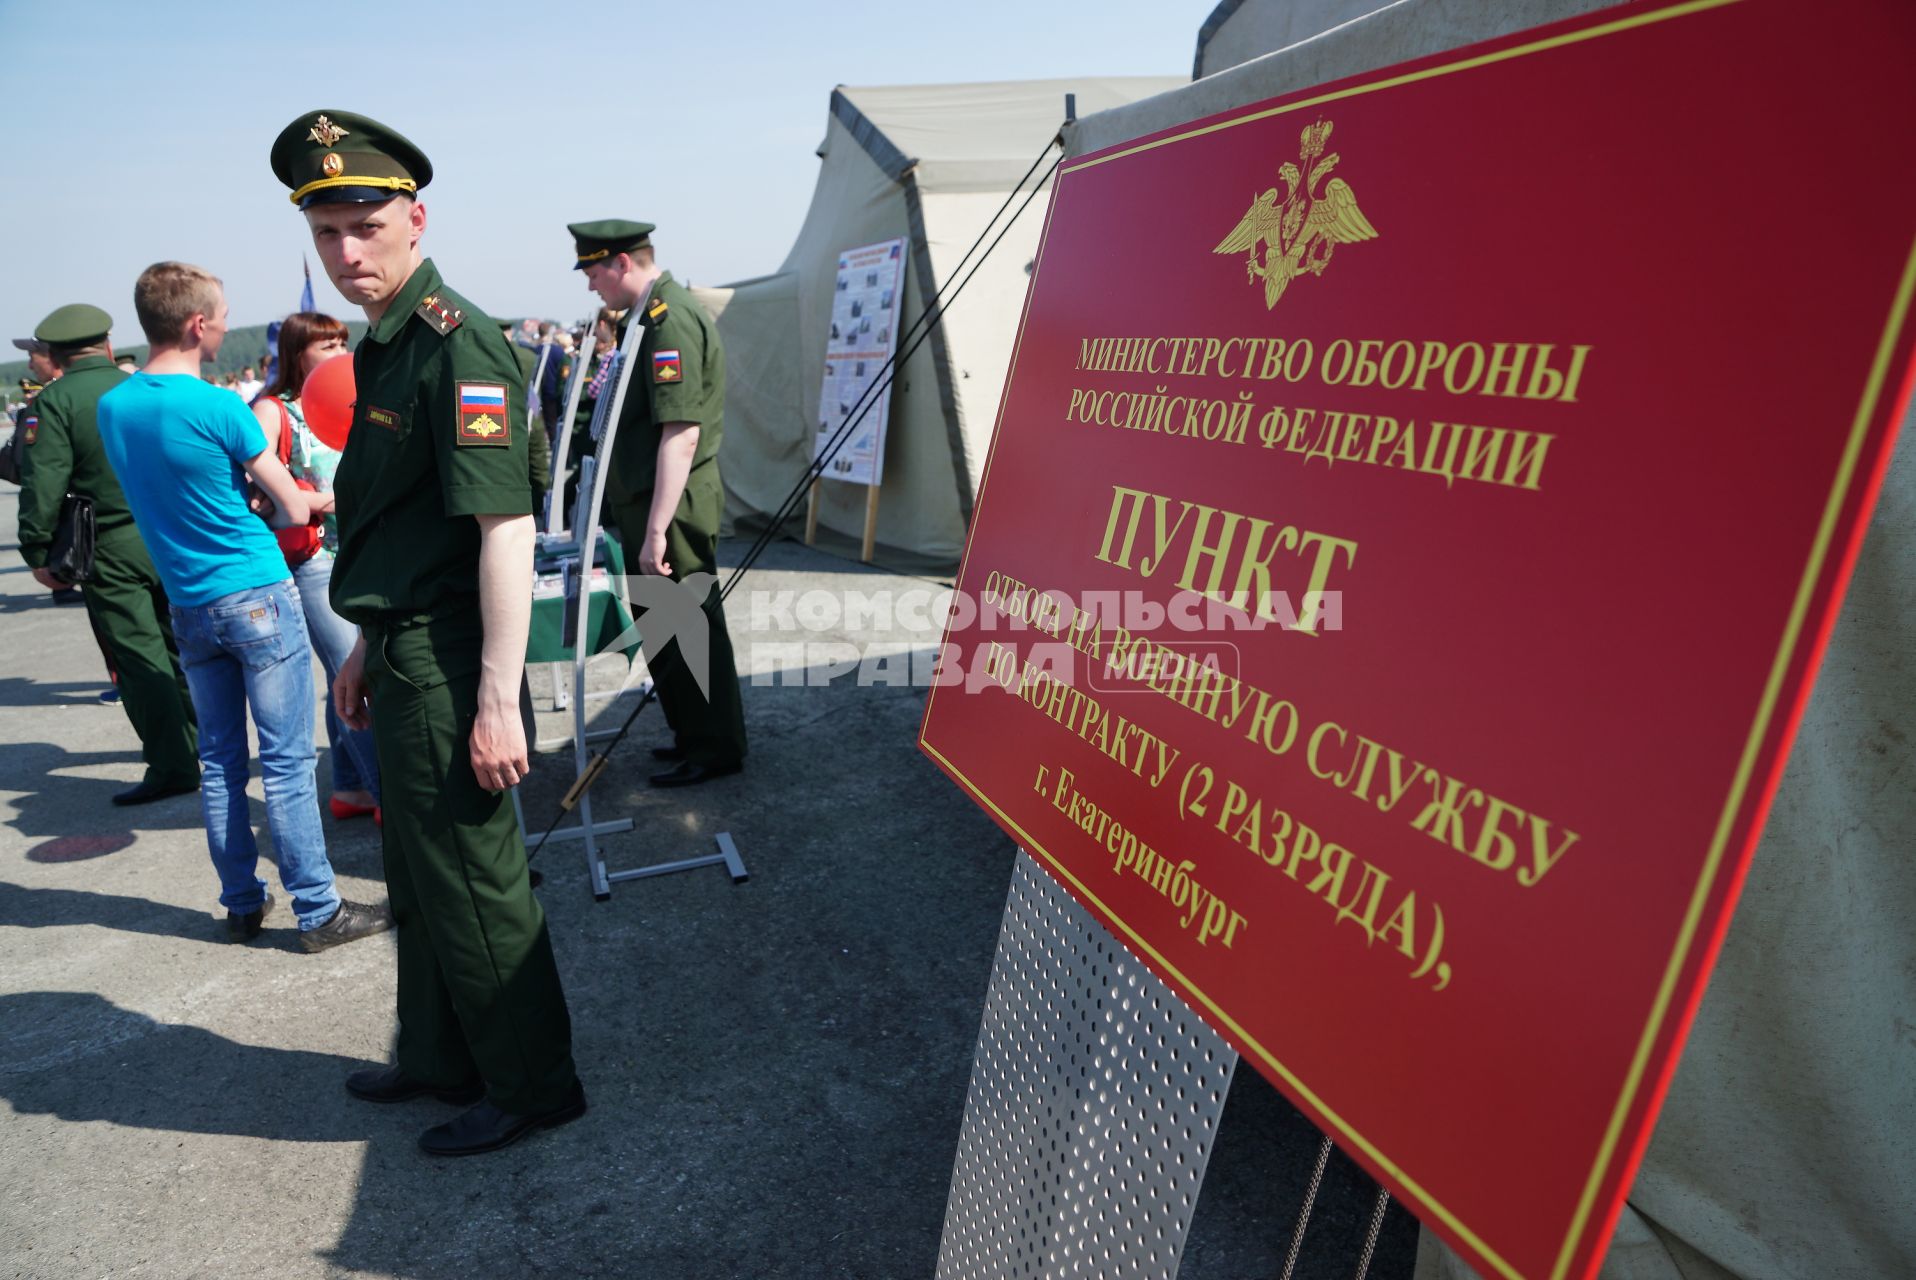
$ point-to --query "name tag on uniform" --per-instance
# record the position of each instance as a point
(383, 418)
(482, 415)
(666, 367)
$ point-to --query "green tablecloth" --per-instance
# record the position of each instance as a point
(546, 642)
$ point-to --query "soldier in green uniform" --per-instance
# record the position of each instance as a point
(435, 566)
(125, 599)
(664, 483)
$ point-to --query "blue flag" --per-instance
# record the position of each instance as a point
(306, 294)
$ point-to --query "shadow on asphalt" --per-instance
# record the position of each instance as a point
(23, 907)
(167, 1076)
(16, 691)
(44, 600)
(64, 804)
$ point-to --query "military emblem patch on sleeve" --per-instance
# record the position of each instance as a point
(666, 367)
(482, 415)
(30, 428)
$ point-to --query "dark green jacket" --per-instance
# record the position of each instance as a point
(438, 437)
(680, 377)
(63, 454)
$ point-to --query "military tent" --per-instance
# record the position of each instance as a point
(930, 163)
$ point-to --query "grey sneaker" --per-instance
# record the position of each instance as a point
(245, 928)
(353, 921)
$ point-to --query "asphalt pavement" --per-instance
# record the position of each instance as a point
(777, 1070)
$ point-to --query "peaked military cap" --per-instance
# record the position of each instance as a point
(74, 325)
(597, 241)
(31, 345)
(338, 157)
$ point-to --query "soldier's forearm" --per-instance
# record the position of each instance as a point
(505, 607)
(678, 445)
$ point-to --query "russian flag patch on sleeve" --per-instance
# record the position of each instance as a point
(482, 415)
(666, 367)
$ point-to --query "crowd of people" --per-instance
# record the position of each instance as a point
(232, 543)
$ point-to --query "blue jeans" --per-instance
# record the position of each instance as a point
(249, 649)
(355, 761)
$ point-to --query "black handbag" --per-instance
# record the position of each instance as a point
(71, 557)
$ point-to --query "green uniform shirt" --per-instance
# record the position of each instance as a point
(438, 436)
(63, 455)
(680, 378)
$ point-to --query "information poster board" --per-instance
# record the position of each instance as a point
(862, 337)
(1390, 612)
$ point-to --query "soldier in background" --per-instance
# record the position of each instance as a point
(124, 599)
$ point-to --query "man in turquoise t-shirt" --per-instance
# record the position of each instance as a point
(182, 450)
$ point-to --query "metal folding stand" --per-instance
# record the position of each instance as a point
(576, 555)
(576, 565)
(561, 448)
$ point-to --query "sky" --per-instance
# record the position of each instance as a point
(140, 132)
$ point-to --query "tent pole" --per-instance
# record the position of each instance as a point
(871, 522)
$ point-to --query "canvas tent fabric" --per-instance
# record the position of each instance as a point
(1238, 31)
(930, 163)
(1782, 1152)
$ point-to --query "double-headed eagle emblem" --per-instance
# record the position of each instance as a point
(1299, 232)
(325, 132)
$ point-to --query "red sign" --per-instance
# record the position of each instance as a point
(1418, 508)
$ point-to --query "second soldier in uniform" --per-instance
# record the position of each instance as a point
(434, 565)
(664, 484)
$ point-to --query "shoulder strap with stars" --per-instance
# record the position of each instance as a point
(440, 314)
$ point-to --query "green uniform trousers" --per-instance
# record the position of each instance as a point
(710, 732)
(129, 610)
(479, 992)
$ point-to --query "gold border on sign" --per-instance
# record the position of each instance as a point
(1867, 406)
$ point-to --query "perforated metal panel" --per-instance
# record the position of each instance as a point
(1093, 1108)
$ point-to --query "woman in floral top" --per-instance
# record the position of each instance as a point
(306, 340)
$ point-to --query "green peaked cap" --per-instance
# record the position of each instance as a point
(341, 157)
(597, 241)
(75, 325)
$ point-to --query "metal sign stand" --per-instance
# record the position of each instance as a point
(576, 556)
(1093, 1108)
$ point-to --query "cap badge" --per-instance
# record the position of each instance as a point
(331, 164)
(325, 132)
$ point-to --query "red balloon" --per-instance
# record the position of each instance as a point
(326, 400)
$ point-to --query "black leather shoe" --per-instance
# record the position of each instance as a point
(673, 752)
(245, 928)
(487, 1128)
(390, 1084)
(690, 775)
(353, 921)
(152, 789)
